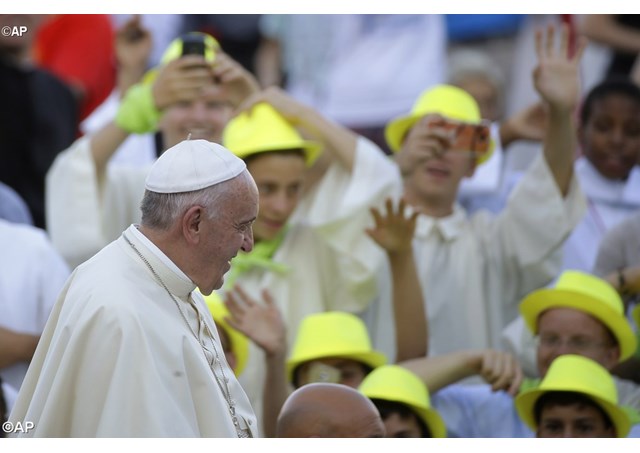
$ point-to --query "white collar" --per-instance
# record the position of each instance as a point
(176, 280)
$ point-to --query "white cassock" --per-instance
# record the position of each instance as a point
(475, 270)
(117, 359)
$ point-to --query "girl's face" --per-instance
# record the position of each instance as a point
(610, 138)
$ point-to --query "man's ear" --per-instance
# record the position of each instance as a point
(192, 224)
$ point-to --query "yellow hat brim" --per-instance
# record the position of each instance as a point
(311, 150)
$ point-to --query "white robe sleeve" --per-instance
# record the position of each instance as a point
(525, 240)
(338, 210)
(83, 217)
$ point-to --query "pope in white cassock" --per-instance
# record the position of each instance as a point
(130, 349)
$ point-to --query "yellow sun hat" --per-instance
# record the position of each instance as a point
(239, 342)
(574, 373)
(174, 51)
(446, 100)
(586, 293)
(262, 129)
(397, 384)
(332, 334)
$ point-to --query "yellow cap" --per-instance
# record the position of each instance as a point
(263, 129)
(587, 293)
(397, 384)
(333, 334)
(574, 373)
(174, 51)
(445, 100)
(239, 342)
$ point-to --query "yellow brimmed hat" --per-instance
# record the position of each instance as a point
(445, 100)
(587, 293)
(333, 334)
(174, 51)
(574, 373)
(397, 384)
(239, 342)
(263, 129)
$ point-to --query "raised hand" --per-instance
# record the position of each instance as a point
(557, 75)
(262, 323)
(527, 124)
(240, 82)
(133, 45)
(499, 369)
(393, 231)
(181, 80)
(423, 142)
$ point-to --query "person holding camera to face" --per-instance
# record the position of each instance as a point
(193, 91)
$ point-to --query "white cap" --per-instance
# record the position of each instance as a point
(193, 165)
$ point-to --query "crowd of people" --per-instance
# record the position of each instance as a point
(217, 226)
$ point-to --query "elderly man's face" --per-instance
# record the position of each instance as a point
(204, 118)
(228, 232)
(569, 331)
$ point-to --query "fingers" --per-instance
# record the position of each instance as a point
(377, 217)
(539, 52)
(268, 298)
(549, 43)
(235, 309)
(581, 44)
(502, 371)
(564, 40)
(246, 299)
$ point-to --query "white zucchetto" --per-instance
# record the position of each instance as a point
(193, 165)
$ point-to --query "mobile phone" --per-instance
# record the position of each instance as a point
(320, 372)
(474, 138)
(193, 44)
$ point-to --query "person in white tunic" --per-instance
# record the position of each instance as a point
(609, 136)
(88, 201)
(32, 274)
(312, 252)
(130, 349)
(474, 271)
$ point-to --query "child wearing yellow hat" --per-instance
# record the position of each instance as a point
(476, 269)
(576, 398)
(403, 402)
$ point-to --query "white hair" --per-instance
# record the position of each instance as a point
(161, 210)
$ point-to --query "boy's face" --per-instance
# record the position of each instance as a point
(574, 420)
(610, 139)
(339, 371)
(203, 118)
(397, 426)
(438, 176)
(279, 178)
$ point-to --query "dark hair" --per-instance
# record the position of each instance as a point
(568, 399)
(614, 85)
(388, 408)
